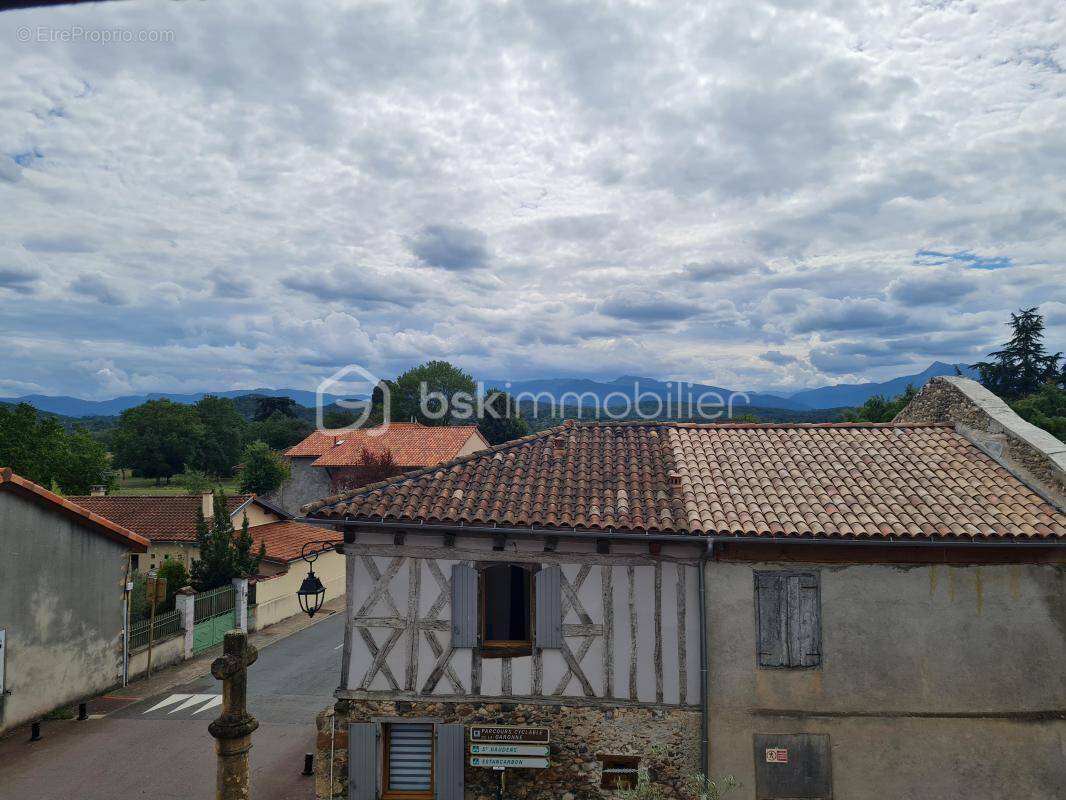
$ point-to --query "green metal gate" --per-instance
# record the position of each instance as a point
(212, 617)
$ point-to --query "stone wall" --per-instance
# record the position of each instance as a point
(1033, 454)
(304, 485)
(666, 739)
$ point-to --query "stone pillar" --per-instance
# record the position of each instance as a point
(240, 604)
(185, 602)
(234, 726)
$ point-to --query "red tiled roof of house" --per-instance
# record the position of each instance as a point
(825, 480)
(316, 444)
(101, 524)
(156, 517)
(412, 445)
(284, 539)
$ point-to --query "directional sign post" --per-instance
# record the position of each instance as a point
(512, 763)
(508, 749)
(507, 733)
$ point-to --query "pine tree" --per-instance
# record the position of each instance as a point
(1023, 365)
(224, 555)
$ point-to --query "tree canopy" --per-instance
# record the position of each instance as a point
(880, 409)
(223, 434)
(224, 554)
(435, 382)
(158, 438)
(262, 470)
(37, 447)
(502, 420)
(1022, 366)
(267, 407)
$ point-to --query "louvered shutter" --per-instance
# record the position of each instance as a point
(450, 757)
(410, 757)
(772, 609)
(362, 761)
(549, 623)
(804, 621)
(464, 606)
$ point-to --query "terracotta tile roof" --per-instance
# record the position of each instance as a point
(316, 444)
(285, 538)
(100, 524)
(412, 445)
(156, 517)
(835, 480)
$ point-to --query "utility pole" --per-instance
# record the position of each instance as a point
(234, 726)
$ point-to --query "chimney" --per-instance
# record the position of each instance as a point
(208, 505)
(97, 490)
(558, 446)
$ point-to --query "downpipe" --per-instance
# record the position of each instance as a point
(705, 688)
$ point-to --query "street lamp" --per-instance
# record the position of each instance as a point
(311, 592)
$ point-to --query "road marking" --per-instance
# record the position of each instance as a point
(174, 698)
(195, 700)
(338, 647)
(216, 700)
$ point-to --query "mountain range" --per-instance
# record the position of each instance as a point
(840, 395)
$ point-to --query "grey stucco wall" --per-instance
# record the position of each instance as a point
(305, 484)
(936, 681)
(61, 588)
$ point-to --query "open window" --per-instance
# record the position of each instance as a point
(506, 609)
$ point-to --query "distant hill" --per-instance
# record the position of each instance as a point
(76, 407)
(567, 391)
(855, 394)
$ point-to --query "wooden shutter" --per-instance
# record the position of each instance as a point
(772, 610)
(450, 758)
(464, 606)
(362, 761)
(548, 617)
(804, 621)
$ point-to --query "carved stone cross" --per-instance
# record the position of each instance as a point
(233, 728)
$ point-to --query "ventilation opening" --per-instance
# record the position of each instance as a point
(619, 772)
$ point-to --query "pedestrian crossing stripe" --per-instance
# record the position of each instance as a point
(183, 702)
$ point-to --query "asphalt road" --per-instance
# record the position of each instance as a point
(159, 747)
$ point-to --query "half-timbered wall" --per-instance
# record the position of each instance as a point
(630, 623)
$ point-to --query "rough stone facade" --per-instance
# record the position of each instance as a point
(305, 485)
(667, 740)
(1033, 454)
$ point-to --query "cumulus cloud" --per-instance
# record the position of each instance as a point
(450, 247)
(647, 306)
(544, 189)
(100, 287)
(17, 280)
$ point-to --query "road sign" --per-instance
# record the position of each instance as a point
(512, 763)
(508, 749)
(508, 733)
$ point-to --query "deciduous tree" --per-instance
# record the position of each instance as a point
(158, 438)
(262, 470)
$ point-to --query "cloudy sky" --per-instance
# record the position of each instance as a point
(756, 195)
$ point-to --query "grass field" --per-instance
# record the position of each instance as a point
(146, 486)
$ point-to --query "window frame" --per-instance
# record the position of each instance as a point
(506, 648)
(788, 613)
(386, 761)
